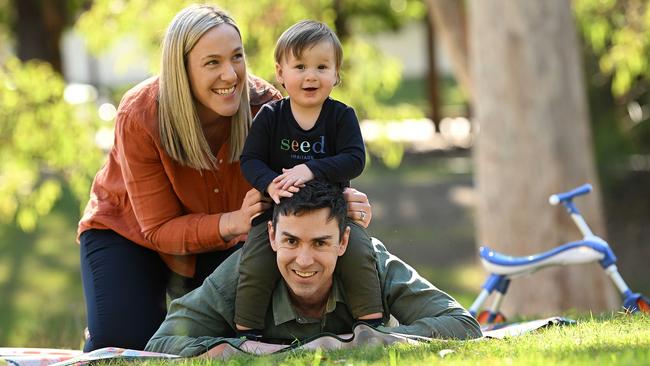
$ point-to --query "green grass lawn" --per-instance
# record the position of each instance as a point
(617, 339)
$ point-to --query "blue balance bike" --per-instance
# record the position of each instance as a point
(591, 248)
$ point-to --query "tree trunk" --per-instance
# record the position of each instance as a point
(432, 75)
(340, 21)
(534, 140)
(451, 24)
(38, 26)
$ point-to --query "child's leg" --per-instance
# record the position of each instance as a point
(358, 273)
(258, 274)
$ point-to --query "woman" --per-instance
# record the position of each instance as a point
(171, 204)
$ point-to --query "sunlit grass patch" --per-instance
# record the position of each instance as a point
(614, 339)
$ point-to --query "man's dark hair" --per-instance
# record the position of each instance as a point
(316, 194)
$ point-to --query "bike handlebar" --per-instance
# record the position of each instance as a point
(566, 196)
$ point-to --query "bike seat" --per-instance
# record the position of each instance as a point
(571, 253)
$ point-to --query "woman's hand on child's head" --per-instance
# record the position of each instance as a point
(295, 177)
(238, 222)
(359, 208)
(254, 204)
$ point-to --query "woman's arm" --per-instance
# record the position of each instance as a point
(161, 216)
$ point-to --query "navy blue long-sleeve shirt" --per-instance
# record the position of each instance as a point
(332, 149)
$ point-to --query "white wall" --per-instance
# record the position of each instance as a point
(104, 70)
(409, 45)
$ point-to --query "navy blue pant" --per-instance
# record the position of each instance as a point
(126, 287)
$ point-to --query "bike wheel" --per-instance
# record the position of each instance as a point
(643, 305)
(484, 317)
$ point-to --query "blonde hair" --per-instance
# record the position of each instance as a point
(180, 130)
(304, 35)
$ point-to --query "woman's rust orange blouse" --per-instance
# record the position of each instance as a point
(150, 199)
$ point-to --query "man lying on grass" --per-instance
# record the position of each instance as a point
(308, 235)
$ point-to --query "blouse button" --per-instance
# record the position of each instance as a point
(220, 161)
(216, 190)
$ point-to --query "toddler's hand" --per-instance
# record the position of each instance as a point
(294, 177)
(276, 192)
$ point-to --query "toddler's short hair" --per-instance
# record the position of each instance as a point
(304, 35)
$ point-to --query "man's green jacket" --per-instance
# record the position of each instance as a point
(204, 317)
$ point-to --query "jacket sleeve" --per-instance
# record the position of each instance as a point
(254, 159)
(419, 307)
(350, 155)
(157, 208)
(201, 319)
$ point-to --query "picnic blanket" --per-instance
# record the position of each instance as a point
(365, 335)
(35, 356)
(500, 331)
(362, 335)
(62, 357)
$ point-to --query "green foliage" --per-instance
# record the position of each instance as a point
(144, 21)
(618, 31)
(5, 15)
(8, 16)
(44, 142)
(369, 78)
(376, 16)
(617, 36)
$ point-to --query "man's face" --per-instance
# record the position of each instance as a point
(307, 248)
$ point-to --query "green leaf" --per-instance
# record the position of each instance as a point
(45, 142)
